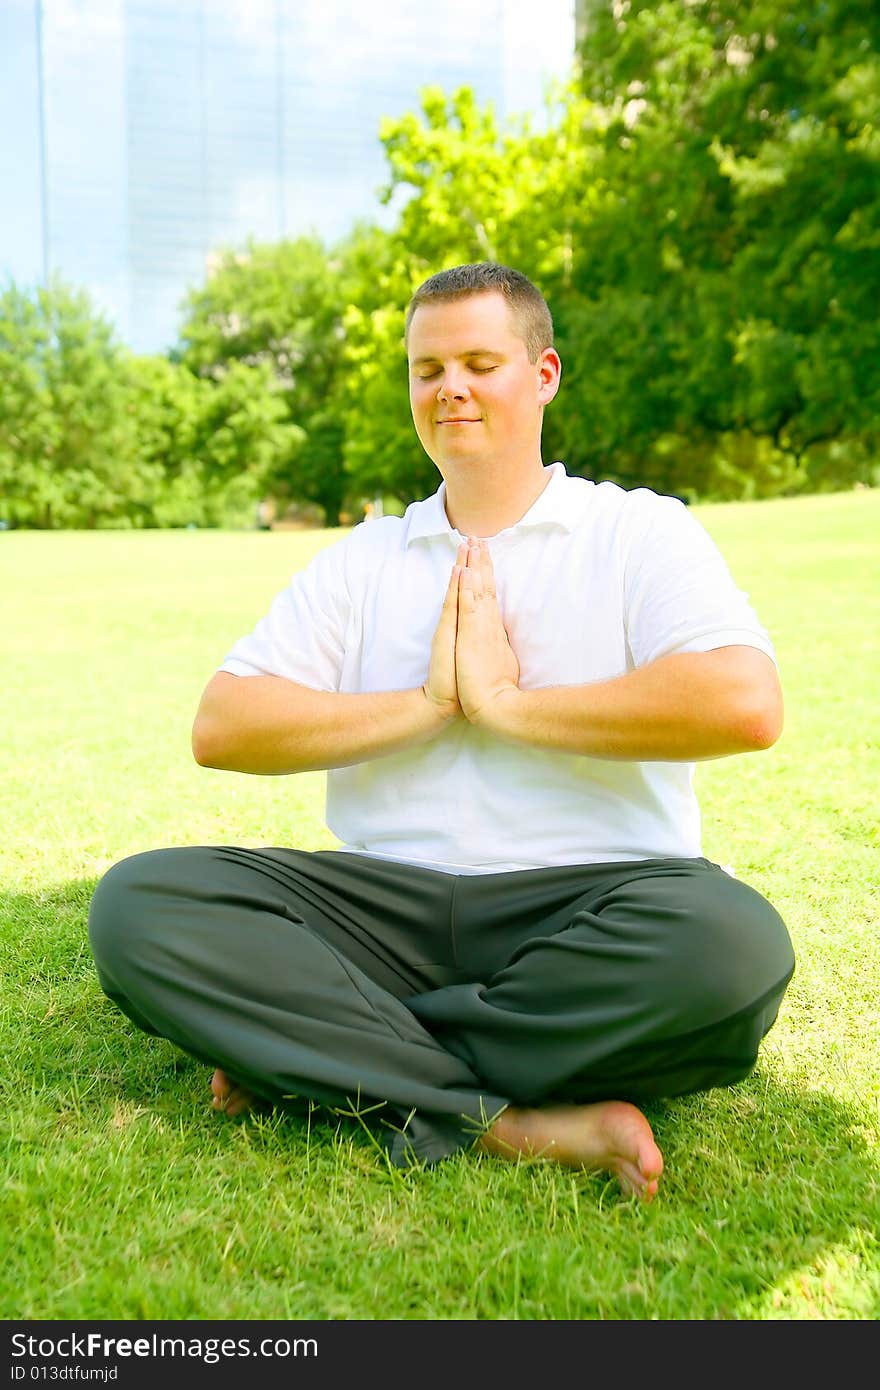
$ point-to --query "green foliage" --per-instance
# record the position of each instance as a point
(210, 446)
(702, 212)
(66, 441)
(382, 453)
(280, 307)
(702, 215)
(93, 437)
(472, 193)
(745, 154)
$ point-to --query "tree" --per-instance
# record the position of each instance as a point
(704, 217)
(91, 436)
(382, 453)
(280, 307)
(744, 149)
(67, 455)
(210, 448)
(473, 192)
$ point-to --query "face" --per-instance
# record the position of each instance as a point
(475, 396)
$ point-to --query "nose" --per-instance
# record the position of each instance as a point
(453, 386)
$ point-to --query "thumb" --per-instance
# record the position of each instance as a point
(450, 598)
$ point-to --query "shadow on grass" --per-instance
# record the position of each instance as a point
(778, 1181)
(766, 1183)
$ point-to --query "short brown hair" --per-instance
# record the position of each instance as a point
(525, 300)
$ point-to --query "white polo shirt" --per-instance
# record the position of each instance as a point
(592, 582)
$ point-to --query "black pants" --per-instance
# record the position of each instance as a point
(345, 979)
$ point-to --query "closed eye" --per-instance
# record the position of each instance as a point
(428, 376)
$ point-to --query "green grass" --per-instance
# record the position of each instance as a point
(126, 1197)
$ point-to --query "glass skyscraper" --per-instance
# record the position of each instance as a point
(138, 136)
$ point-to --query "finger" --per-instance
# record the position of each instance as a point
(450, 598)
(486, 570)
(467, 601)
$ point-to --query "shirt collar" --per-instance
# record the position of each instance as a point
(556, 506)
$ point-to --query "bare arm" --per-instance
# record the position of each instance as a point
(679, 708)
(267, 724)
(270, 725)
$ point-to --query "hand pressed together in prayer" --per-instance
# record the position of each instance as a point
(472, 662)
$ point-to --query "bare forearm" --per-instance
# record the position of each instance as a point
(678, 709)
(268, 725)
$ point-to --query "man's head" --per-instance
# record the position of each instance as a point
(481, 370)
(528, 308)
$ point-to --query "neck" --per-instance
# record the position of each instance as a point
(481, 505)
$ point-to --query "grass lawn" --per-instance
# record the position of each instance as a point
(126, 1197)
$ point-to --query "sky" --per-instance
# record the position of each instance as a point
(162, 125)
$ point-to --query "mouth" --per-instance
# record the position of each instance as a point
(463, 420)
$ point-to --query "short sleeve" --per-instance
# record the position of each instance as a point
(302, 637)
(678, 591)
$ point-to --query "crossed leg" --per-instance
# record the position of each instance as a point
(208, 948)
(610, 1136)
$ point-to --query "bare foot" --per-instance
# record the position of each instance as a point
(229, 1097)
(611, 1135)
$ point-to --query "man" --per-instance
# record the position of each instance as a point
(520, 941)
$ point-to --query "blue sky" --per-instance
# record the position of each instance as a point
(132, 86)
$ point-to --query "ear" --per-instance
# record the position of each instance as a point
(549, 374)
